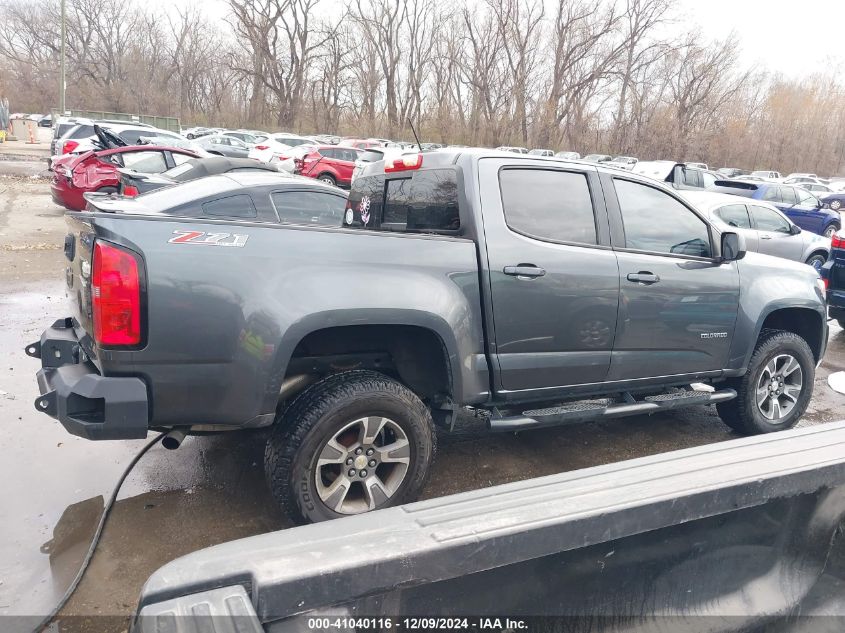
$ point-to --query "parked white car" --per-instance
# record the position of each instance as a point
(277, 144)
(568, 155)
(766, 174)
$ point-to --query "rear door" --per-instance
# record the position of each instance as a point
(677, 303)
(553, 278)
(775, 234)
(737, 217)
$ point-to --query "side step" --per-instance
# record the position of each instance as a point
(583, 411)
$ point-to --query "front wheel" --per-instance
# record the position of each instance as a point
(776, 390)
(351, 443)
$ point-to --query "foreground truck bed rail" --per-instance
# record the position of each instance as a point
(729, 536)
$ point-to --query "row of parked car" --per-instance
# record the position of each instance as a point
(780, 215)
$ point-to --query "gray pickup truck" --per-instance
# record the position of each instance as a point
(539, 290)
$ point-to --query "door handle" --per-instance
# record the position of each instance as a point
(643, 277)
(524, 270)
(765, 237)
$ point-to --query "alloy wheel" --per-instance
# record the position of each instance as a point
(362, 465)
(779, 387)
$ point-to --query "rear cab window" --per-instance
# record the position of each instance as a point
(424, 201)
(531, 211)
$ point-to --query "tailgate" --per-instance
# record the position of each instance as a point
(78, 247)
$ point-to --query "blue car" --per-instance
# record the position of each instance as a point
(798, 204)
(835, 200)
(833, 273)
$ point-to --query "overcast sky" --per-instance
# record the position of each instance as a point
(794, 38)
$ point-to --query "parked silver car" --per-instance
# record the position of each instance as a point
(766, 229)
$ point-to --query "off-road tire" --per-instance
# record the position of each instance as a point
(742, 413)
(290, 458)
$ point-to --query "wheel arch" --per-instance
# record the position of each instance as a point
(805, 322)
(418, 349)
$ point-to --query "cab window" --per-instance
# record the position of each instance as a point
(656, 222)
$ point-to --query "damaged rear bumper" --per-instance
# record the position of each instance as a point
(74, 392)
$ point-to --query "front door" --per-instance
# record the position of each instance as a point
(677, 304)
(553, 278)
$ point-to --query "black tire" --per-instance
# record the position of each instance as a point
(318, 415)
(835, 205)
(817, 260)
(742, 413)
(327, 178)
(830, 230)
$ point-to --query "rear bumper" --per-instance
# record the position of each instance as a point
(86, 403)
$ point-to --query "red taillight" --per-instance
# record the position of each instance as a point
(69, 146)
(404, 163)
(116, 296)
(262, 147)
(837, 241)
(130, 191)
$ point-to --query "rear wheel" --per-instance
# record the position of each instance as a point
(836, 205)
(830, 230)
(327, 178)
(354, 442)
(776, 390)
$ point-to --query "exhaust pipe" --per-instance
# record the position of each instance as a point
(173, 440)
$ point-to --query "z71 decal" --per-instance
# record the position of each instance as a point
(208, 239)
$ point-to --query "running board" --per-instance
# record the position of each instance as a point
(608, 408)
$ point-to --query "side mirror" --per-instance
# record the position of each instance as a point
(733, 247)
(795, 230)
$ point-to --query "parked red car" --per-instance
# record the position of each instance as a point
(330, 163)
(75, 175)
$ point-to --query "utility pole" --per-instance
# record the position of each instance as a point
(62, 71)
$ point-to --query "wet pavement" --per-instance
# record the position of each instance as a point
(212, 489)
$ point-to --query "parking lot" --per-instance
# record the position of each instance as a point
(212, 489)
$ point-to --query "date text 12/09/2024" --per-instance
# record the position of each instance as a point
(418, 623)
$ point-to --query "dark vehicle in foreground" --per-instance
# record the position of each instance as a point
(133, 182)
(833, 273)
(739, 536)
(455, 281)
(74, 175)
(799, 205)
